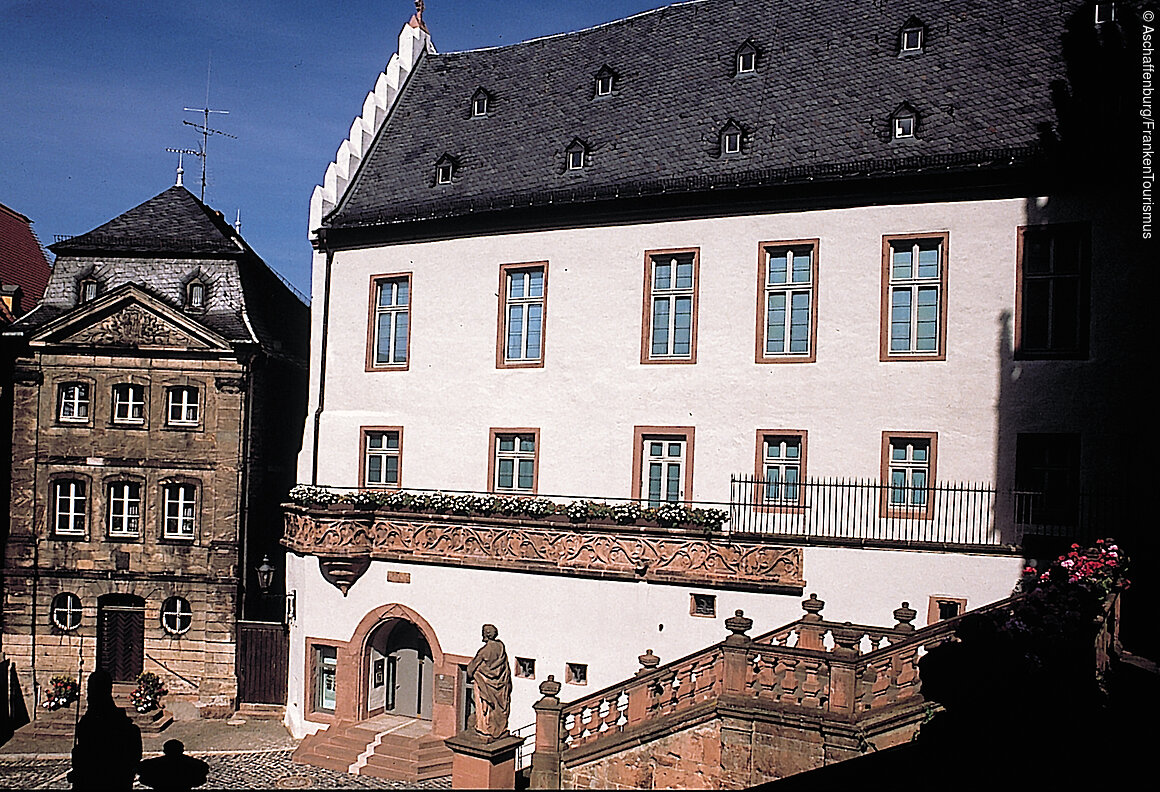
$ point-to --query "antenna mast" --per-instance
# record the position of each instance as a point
(204, 127)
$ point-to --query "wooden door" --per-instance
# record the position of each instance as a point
(262, 662)
(121, 640)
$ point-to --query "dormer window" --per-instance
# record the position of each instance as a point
(746, 59)
(730, 140)
(911, 38)
(445, 169)
(576, 154)
(480, 103)
(1105, 12)
(87, 290)
(605, 80)
(195, 296)
(904, 122)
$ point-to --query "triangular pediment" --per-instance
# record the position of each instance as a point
(129, 318)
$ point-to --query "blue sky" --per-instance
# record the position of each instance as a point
(91, 95)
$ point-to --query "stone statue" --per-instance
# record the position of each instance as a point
(492, 676)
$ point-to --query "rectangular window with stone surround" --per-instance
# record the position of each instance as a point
(74, 403)
(129, 404)
(68, 507)
(389, 323)
(522, 314)
(663, 461)
(513, 466)
(124, 510)
(914, 297)
(908, 473)
(787, 301)
(669, 322)
(180, 511)
(382, 456)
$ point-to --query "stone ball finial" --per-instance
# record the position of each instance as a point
(737, 624)
(904, 616)
(648, 661)
(549, 687)
(813, 608)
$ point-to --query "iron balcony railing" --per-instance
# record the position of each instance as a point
(938, 513)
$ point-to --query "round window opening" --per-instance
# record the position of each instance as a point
(66, 611)
(176, 615)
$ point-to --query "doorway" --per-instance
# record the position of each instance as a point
(121, 636)
(399, 671)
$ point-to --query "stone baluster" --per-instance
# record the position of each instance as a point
(811, 633)
(546, 759)
(736, 654)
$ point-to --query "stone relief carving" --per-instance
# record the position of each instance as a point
(563, 549)
(134, 327)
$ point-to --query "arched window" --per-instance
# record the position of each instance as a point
(176, 615)
(66, 611)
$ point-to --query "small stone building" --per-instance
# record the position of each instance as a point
(158, 400)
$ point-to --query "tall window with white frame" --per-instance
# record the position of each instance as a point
(671, 305)
(124, 509)
(74, 402)
(128, 404)
(182, 406)
(909, 473)
(914, 298)
(514, 463)
(382, 454)
(391, 322)
(522, 307)
(782, 468)
(180, 501)
(664, 469)
(68, 509)
(788, 293)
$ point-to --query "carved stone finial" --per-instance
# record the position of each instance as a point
(904, 616)
(737, 624)
(648, 661)
(813, 608)
(846, 639)
(549, 687)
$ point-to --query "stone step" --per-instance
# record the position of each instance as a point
(262, 711)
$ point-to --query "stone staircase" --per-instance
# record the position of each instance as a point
(148, 722)
(388, 747)
(62, 722)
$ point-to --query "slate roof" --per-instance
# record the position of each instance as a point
(829, 75)
(160, 246)
(172, 222)
(22, 259)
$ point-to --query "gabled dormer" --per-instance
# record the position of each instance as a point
(730, 140)
(196, 293)
(745, 59)
(904, 122)
(576, 155)
(606, 81)
(912, 37)
(481, 103)
(446, 167)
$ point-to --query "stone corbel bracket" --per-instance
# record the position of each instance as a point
(414, 41)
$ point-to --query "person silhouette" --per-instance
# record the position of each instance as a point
(108, 744)
(174, 770)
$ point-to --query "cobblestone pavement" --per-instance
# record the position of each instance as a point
(265, 769)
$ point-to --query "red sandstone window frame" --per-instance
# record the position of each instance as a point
(372, 320)
(763, 288)
(642, 434)
(646, 329)
(782, 505)
(932, 608)
(888, 241)
(501, 359)
(494, 435)
(364, 452)
(1052, 351)
(309, 704)
(919, 512)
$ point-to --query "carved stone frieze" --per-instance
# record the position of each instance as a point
(559, 548)
(134, 327)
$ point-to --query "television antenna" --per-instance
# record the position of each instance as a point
(204, 127)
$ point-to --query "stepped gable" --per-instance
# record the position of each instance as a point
(824, 91)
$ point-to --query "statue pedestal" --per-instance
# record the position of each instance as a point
(479, 765)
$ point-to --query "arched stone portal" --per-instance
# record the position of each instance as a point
(398, 670)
